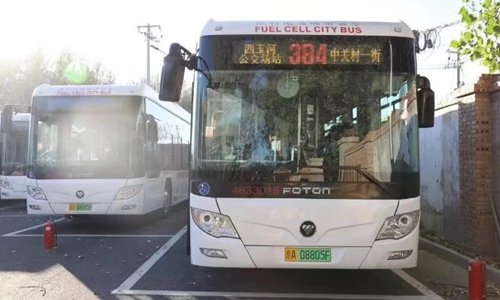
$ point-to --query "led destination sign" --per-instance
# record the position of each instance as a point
(306, 53)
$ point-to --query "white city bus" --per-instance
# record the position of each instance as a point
(305, 144)
(14, 147)
(106, 150)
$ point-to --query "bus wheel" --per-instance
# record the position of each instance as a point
(167, 197)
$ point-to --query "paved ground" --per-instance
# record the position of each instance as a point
(447, 273)
(144, 258)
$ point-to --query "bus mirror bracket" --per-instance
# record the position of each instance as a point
(152, 129)
(172, 73)
(425, 102)
(6, 122)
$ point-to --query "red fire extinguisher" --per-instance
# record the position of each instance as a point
(477, 279)
(50, 235)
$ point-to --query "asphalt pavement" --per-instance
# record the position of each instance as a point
(144, 258)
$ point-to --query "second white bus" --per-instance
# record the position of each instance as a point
(106, 150)
(14, 146)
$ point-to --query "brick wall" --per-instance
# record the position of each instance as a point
(466, 129)
(495, 133)
(476, 169)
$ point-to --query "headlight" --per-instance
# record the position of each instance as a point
(128, 192)
(214, 224)
(399, 226)
(6, 184)
(36, 192)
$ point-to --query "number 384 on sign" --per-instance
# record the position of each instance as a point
(308, 254)
(322, 54)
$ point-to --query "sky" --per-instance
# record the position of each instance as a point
(106, 31)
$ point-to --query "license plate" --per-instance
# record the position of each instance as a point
(308, 254)
(80, 207)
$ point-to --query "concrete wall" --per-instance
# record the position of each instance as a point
(440, 174)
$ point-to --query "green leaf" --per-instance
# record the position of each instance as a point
(475, 55)
(480, 42)
(489, 44)
(455, 44)
(489, 28)
(467, 36)
(466, 16)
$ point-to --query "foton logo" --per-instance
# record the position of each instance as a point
(307, 228)
(79, 194)
(307, 190)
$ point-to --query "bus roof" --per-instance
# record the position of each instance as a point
(110, 90)
(396, 29)
(94, 90)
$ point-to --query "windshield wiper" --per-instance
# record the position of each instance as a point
(374, 180)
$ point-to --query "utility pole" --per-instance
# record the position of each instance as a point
(146, 30)
(455, 65)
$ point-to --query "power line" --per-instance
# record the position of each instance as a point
(158, 49)
(428, 38)
(436, 67)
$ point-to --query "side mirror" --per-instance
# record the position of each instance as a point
(425, 103)
(172, 74)
(6, 121)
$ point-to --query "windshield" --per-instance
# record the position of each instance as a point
(15, 148)
(340, 116)
(84, 137)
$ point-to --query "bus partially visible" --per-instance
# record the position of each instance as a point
(14, 128)
(106, 150)
(305, 144)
